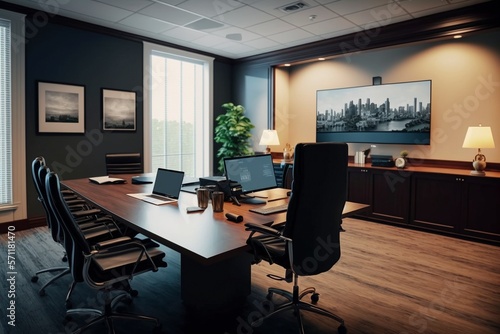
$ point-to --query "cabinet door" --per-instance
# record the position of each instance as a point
(482, 217)
(391, 195)
(437, 201)
(358, 186)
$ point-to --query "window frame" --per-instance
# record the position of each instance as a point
(149, 49)
(17, 210)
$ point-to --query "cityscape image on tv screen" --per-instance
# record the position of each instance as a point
(400, 107)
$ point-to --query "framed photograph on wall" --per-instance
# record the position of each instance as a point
(61, 108)
(118, 110)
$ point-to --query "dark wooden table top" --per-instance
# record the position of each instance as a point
(205, 236)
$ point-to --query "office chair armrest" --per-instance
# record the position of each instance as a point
(262, 229)
(267, 231)
(83, 213)
(126, 245)
(76, 201)
(112, 242)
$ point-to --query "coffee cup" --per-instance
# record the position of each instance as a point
(218, 201)
(203, 195)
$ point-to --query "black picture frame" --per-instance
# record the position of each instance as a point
(61, 108)
(119, 110)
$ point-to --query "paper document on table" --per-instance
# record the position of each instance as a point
(106, 179)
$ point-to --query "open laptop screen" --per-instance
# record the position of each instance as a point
(168, 183)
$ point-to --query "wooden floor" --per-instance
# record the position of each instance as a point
(388, 280)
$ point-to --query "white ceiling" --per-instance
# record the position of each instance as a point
(237, 29)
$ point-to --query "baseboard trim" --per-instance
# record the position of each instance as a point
(23, 224)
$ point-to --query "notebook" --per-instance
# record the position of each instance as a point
(166, 188)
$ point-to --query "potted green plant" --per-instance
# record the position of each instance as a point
(233, 132)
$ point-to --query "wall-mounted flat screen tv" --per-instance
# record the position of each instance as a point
(397, 113)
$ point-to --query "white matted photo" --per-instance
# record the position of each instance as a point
(118, 110)
(61, 108)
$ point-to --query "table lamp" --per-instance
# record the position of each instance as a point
(478, 137)
(268, 138)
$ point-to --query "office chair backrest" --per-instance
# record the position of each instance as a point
(55, 227)
(35, 167)
(319, 192)
(75, 243)
(288, 177)
(38, 166)
(124, 163)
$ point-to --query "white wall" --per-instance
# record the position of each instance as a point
(465, 76)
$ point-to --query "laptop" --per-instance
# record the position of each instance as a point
(166, 188)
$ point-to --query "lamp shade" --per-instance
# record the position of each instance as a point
(478, 137)
(269, 137)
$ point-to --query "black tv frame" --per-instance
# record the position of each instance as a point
(377, 94)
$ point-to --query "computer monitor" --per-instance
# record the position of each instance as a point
(253, 172)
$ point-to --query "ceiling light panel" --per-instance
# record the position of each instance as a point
(170, 14)
(204, 24)
(210, 8)
(146, 23)
(244, 17)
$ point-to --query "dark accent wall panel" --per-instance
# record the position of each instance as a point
(62, 54)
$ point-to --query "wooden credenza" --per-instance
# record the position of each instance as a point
(444, 200)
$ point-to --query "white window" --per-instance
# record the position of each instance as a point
(177, 110)
(12, 142)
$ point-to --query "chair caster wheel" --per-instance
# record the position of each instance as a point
(315, 298)
(41, 293)
(342, 329)
(65, 259)
(269, 296)
(134, 293)
(34, 279)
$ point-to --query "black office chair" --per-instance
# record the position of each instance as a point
(95, 225)
(57, 236)
(308, 243)
(288, 177)
(105, 266)
(124, 163)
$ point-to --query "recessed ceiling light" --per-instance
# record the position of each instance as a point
(287, 65)
(204, 24)
(457, 36)
(321, 58)
(234, 37)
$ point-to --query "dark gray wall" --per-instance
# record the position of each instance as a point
(61, 54)
(70, 55)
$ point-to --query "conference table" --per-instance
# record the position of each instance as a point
(215, 259)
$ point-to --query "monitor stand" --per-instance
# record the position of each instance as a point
(251, 200)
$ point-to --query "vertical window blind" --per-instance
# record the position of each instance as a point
(5, 113)
(179, 114)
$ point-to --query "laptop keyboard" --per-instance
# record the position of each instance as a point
(270, 209)
(161, 198)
